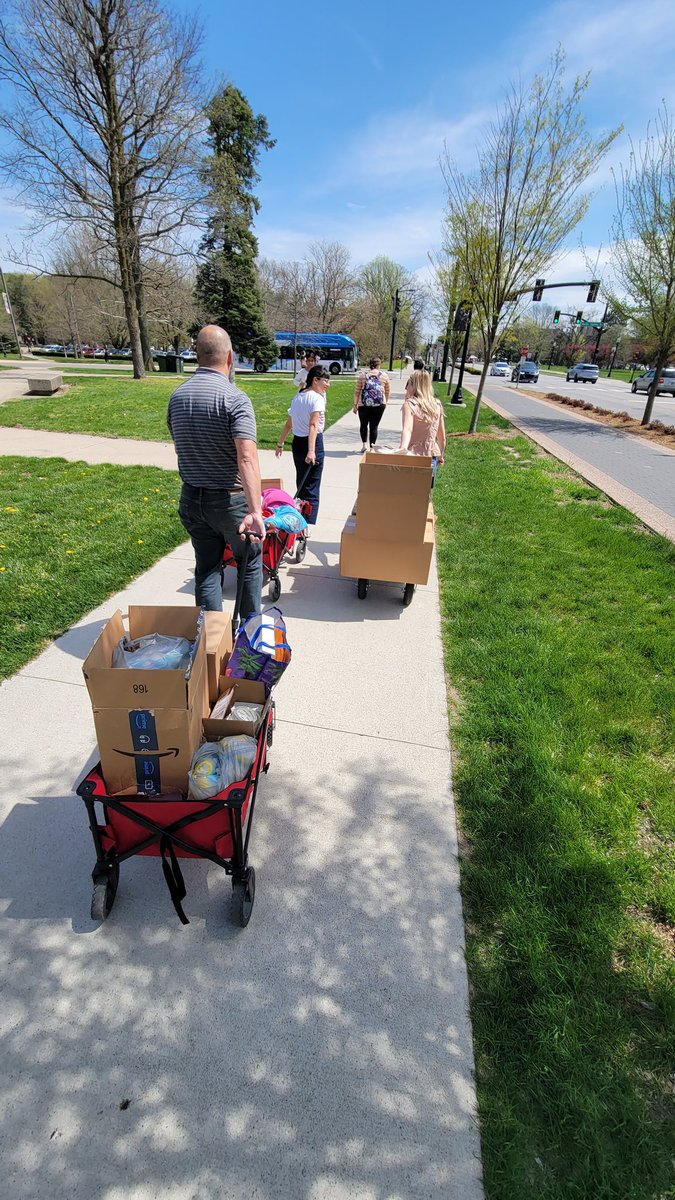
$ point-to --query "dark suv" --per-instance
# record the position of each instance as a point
(527, 372)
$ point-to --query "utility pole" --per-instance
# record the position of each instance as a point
(10, 311)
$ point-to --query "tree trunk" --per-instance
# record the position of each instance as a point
(479, 395)
(651, 395)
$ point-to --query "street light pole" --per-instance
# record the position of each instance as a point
(458, 397)
(10, 311)
(611, 365)
(600, 332)
(394, 318)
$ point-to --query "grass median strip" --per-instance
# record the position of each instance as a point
(558, 634)
(137, 408)
(71, 535)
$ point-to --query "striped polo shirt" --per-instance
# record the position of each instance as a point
(206, 413)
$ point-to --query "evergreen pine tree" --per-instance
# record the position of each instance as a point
(227, 287)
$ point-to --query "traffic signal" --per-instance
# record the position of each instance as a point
(397, 302)
(579, 317)
(538, 289)
(556, 316)
(593, 291)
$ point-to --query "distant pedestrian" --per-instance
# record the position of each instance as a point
(423, 419)
(307, 419)
(370, 400)
(309, 360)
(213, 427)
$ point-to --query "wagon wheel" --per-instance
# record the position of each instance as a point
(103, 895)
(362, 588)
(408, 593)
(243, 896)
(271, 723)
(275, 588)
(301, 549)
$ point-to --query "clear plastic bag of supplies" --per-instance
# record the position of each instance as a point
(243, 710)
(154, 651)
(218, 764)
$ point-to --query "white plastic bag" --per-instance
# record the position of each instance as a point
(244, 710)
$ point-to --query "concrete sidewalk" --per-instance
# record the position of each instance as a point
(325, 1052)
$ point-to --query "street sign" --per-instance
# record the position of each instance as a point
(5, 300)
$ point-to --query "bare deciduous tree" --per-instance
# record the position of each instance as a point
(643, 245)
(105, 129)
(506, 222)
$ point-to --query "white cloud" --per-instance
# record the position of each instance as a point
(405, 235)
(405, 147)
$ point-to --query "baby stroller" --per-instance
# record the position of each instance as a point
(279, 544)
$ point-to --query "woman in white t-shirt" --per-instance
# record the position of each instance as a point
(307, 418)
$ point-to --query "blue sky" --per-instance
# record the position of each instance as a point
(361, 97)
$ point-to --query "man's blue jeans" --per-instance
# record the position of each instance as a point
(212, 517)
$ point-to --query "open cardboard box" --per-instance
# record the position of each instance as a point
(242, 689)
(148, 722)
(218, 634)
(272, 483)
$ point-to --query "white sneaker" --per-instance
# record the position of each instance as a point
(363, 448)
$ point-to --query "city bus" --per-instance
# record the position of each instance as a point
(338, 352)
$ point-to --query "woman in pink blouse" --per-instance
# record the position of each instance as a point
(423, 419)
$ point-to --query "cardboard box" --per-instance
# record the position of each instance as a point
(394, 562)
(148, 722)
(218, 638)
(393, 497)
(147, 750)
(272, 483)
(243, 689)
(118, 687)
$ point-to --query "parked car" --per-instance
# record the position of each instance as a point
(500, 368)
(52, 348)
(527, 372)
(188, 355)
(583, 373)
(666, 382)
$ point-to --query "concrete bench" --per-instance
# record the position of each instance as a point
(44, 385)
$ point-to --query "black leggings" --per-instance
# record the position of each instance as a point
(370, 416)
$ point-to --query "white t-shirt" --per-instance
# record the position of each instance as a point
(302, 407)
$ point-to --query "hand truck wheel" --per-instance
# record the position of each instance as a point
(301, 548)
(408, 593)
(243, 896)
(105, 890)
(275, 588)
(362, 588)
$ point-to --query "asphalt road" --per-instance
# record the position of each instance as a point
(614, 394)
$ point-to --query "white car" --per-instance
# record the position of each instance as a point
(583, 373)
(666, 382)
(500, 368)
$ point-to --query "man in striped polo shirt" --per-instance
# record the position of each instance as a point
(213, 427)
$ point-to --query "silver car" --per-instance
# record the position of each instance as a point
(583, 373)
(666, 382)
(500, 368)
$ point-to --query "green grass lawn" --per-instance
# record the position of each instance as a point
(558, 632)
(71, 535)
(137, 408)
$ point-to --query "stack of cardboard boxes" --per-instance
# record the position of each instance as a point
(149, 723)
(390, 534)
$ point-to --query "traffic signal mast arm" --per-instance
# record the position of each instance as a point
(540, 285)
